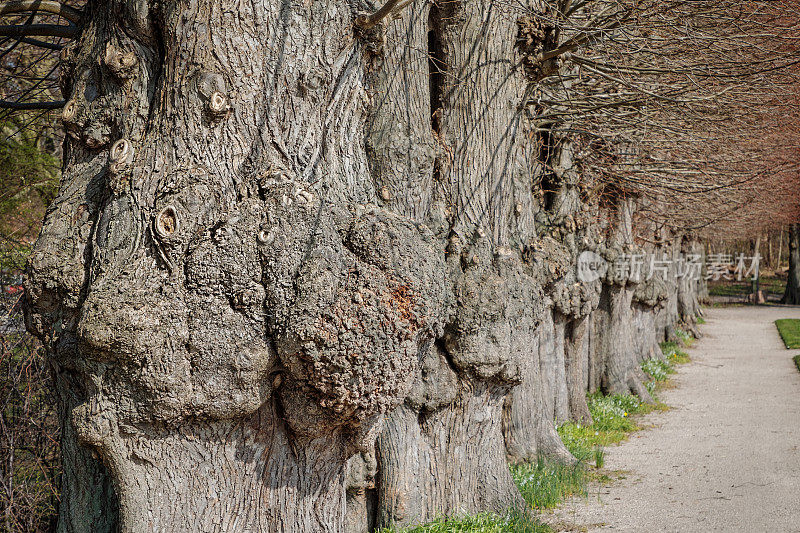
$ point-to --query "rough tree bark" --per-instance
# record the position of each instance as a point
(791, 294)
(614, 364)
(445, 454)
(648, 299)
(668, 316)
(276, 225)
(689, 289)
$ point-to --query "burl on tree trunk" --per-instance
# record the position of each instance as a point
(273, 222)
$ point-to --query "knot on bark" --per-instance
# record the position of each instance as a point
(576, 300)
(120, 158)
(212, 90)
(548, 259)
(534, 36)
(121, 64)
(494, 297)
(652, 292)
(347, 307)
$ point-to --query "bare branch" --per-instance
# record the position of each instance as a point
(45, 6)
(39, 30)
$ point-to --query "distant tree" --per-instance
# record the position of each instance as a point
(792, 293)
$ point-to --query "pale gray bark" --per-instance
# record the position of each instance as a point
(689, 291)
(614, 365)
(649, 298)
(668, 316)
(274, 228)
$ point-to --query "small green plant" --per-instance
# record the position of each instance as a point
(701, 320)
(599, 457)
(658, 369)
(544, 484)
(685, 337)
(673, 353)
(796, 359)
(611, 424)
(789, 329)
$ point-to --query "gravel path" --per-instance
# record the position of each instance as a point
(726, 457)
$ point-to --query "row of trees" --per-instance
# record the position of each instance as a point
(314, 267)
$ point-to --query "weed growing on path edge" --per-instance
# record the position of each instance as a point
(789, 330)
(612, 422)
(673, 353)
(658, 369)
(599, 457)
(796, 359)
(545, 484)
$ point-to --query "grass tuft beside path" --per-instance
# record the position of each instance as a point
(789, 329)
(482, 523)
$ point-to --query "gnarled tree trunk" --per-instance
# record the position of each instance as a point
(614, 360)
(554, 387)
(689, 289)
(276, 226)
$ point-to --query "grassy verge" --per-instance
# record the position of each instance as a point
(789, 329)
(673, 353)
(482, 523)
(545, 484)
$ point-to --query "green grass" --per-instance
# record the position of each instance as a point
(701, 320)
(796, 359)
(673, 353)
(789, 329)
(769, 285)
(658, 369)
(545, 484)
(612, 422)
(482, 523)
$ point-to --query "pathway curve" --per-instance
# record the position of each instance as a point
(726, 456)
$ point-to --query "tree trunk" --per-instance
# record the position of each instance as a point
(552, 367)
(688, 292)
(791, 295)
(575, 353)
(528, 428)
(613, 345)
(264, 243)
(668, 316)
(644, 333)
(770, 259)
(613, 350)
